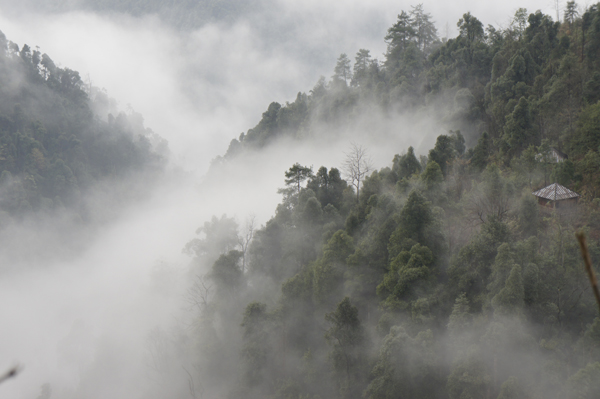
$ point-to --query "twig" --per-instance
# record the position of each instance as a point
(190, 383)
(588, 265)
(10, 373)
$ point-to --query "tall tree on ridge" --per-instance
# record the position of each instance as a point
(361, 66)
(423, 26)
(342, 68)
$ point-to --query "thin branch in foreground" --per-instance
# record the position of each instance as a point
(588, 265)
(10, 374)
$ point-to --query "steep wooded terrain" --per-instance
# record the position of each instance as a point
(438, 277)
(58, 140)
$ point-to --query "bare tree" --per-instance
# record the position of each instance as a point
(357, 165)
(491, 198)
(245, 238)
(198, 295)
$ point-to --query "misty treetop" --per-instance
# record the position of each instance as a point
(57, 139)
(438, 276)
(535, 80)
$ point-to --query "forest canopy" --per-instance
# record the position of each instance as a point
(59, 139)
(439, 276)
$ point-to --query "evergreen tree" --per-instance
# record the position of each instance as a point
(342, 68)
(413, 221)
(424, 27)
(398, 37)
(481, 152)
(361, 67)
(432, 176)
(519, 132)
(443, 152)
(407, 164)
(511, 298)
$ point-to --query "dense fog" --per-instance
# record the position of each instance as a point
(101, 310)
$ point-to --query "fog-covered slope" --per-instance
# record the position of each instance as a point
(286, 272)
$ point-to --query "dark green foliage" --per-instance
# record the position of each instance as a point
(329, 269)
(443, 153)
(529, 217)
(467, 287)
(328, 187)
(519, 132)
(413, 221)
(510, 298)
(406, 165)
(267, 250)
(399, 36)
(470, 28)
(409, 273)
(432, 176)
(276, 122)
(481, 153)
(591, 89)
(362, 63)
(563, 173)
(470, 270)
(587, 137)
(295, 176)
(589, 170)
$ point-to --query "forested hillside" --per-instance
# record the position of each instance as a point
(433, 277)
(58, 139)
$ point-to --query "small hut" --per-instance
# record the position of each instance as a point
(554, 156)
(555, 196)
(557, 155)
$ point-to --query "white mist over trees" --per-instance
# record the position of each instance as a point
(429, 271)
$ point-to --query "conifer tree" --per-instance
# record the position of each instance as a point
(342, 68)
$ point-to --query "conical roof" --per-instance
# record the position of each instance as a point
(555, 192)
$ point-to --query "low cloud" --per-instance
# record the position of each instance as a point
(80, 321)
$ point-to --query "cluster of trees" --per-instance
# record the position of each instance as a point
(533, 84)
(53, 146)
(432, 283)
(434, 277)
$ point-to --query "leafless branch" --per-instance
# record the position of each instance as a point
(245, 239)
(357, 165)
(190, 383)
(588, 265)
(198, 295)
(10, 373)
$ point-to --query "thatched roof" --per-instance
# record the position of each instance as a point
(555, 192)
